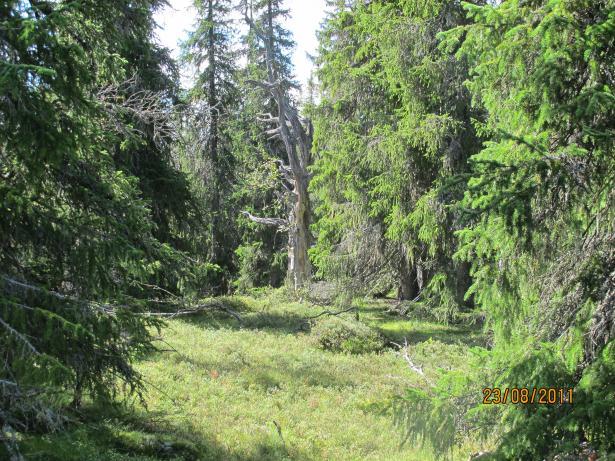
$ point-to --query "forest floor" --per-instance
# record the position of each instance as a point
(262, 389)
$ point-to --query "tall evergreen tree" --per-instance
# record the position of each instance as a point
(151, 79)
(541, 199)
(268, 16)
(394, 125)
(215, 104)
(538, 216)
(79, 229)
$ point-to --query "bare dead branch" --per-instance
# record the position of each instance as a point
(195, 311)
(265, 85)
(403, 351)
(277, 222)
(332, 313)
(267, 118)
(147, 108)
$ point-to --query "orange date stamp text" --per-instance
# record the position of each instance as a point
(527, 396)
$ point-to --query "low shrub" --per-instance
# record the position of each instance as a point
(342, 335)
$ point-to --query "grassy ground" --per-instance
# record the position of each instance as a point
(261, 389)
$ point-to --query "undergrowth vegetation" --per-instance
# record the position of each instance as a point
(264, 389)
(341, 335)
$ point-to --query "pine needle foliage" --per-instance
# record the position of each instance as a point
(476, 141)
(538, 207)
(394, 125)
(88, 229)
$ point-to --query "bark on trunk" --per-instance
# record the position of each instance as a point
(408, 288)
(212, 100)
(464, 281)
(296, 135)
(299, 267)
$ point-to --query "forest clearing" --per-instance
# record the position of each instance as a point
(307, 230)
(262, 389)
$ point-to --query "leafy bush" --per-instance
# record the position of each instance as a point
(343, 335)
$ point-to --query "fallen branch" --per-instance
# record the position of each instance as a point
(404, 353)
(332, 313)
(194, 311)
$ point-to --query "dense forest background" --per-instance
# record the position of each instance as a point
(456, 156)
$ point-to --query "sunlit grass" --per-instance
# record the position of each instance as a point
(261, 389)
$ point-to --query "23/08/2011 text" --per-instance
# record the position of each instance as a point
(524, 395)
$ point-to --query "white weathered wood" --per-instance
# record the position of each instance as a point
(296, 134)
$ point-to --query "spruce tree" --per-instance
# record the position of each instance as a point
(79, 232)
(540, 210)
(214, 106)
(394, 126)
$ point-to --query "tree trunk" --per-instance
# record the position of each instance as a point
(408, 288)
(463, 282)
(299, 267)
(296, 134)
(212, 101)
